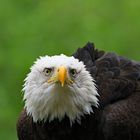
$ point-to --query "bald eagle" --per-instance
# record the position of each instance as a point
(91, 95)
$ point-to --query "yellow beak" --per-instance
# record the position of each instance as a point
(62, 74)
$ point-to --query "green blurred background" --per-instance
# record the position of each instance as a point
(30, 28)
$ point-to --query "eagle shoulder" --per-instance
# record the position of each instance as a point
(116, 77)
(25, 127)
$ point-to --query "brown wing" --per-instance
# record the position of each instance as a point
(121, 120)
(118, 83)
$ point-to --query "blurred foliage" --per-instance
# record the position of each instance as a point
(30, 28)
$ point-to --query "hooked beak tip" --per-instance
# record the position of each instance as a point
(62, 84)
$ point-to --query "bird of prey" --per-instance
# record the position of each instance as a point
(92, 95)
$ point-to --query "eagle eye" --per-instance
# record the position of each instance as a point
(73, 72)
(47, 71)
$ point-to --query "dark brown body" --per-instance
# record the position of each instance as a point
(117, 118)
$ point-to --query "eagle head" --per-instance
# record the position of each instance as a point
(59, 86)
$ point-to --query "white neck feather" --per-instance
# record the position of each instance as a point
(56, 102)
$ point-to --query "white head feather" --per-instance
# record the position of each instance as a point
(49, 100)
